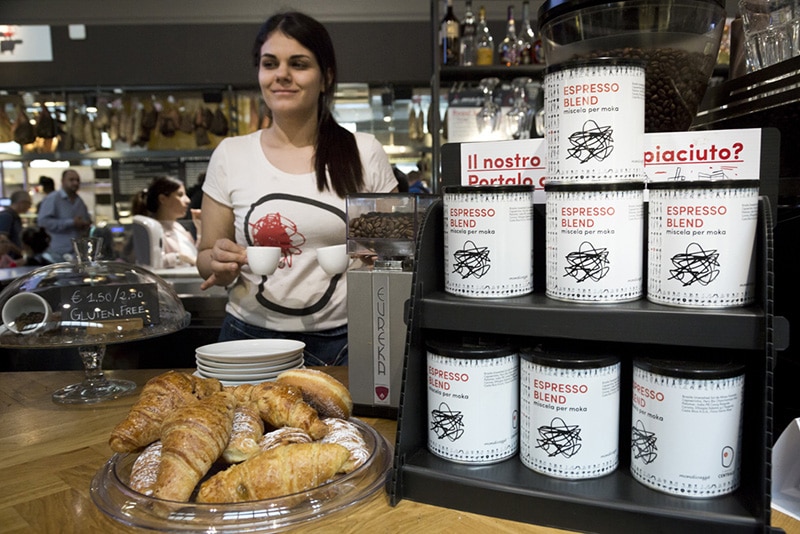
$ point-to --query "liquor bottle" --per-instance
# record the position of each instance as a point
(526, 38)
(508, 50)
(448, 37)
(467, 52)
(484, 44)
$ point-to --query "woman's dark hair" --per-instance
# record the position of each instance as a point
(335, 148)
(36, 237)
(145, 202)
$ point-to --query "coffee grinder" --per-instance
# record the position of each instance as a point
(382, 228)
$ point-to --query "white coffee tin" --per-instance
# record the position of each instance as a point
(488, 240)
(686, 426)
(569, 413)
(473, 401)
(594, 120)
(595, 242)
(701, 243)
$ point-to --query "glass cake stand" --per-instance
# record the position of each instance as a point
(87, 304)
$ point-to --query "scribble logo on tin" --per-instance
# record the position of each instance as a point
(587, 263)
(559, 438)
(471, 260)
(592, 143)
(446, 423)
(695, 266)
(643, 443)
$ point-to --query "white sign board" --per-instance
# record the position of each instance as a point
(519, 162)
(674, 156)
(462, 125)
(25, 43)
(703, 155)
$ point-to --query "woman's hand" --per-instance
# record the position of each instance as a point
(225, 260)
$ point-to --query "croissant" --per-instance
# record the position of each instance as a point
(242, 392)
(145, 469)
(283, 436)
(282, 405)
(281, 471)
(192, 439)
(160, 396)
(347, 434)
(248, 428)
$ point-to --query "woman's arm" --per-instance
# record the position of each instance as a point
(219, 258)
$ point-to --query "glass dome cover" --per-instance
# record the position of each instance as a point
(88, 304)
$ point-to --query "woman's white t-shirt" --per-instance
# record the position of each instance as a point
(275, 208)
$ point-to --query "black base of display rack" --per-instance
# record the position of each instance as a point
(615, 503)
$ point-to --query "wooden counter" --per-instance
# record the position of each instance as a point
(49, 454)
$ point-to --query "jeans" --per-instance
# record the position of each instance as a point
(326, 347)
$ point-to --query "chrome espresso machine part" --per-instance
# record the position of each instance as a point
(383, 228)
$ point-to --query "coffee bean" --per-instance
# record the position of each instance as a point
(675, 83)
(379, 225)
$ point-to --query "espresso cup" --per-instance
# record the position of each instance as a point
(26, 313)
(263, 260)
(333, 259)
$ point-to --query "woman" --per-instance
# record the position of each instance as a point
(285, 185)
(35, 241)
(166, 201)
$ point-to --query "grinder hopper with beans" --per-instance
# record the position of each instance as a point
(678, 39)
(382, 229)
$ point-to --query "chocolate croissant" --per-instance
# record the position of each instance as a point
(161, 396)
(277, 472)
(192, 439)
(281, 405)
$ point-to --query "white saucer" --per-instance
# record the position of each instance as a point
(255, 372)
(249, 350)
(268, 364)
(233, 383)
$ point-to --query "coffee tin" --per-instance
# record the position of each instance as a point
(701, 243)
(488, 240)
(686, 426)
(594, 120)
(569, 413)
(473, 401)
(595, 242)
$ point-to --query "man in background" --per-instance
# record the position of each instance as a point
(65, 216)
(46, 185)
(11, 222)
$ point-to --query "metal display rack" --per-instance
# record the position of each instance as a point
(615, 503)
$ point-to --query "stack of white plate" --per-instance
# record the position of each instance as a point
(248, 361)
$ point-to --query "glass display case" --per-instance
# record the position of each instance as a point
(87, 304)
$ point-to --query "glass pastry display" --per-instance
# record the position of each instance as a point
(88, 303)
(195, 455)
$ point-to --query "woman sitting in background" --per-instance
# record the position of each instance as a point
(165, 200)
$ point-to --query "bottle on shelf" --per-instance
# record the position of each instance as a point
(526, 39)
(448, 37)
(484, 43)
(508, 49)
(467, 39)
(538, 51)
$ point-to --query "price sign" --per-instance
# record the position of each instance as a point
(110, 302)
